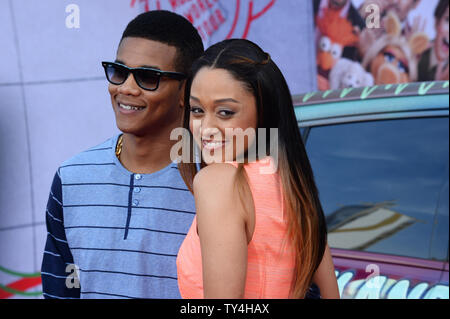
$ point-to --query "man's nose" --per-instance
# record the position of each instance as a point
(129, 87)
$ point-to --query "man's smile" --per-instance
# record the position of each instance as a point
(128, 108)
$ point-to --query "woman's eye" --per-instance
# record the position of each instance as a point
(226, 113)
(196, 110)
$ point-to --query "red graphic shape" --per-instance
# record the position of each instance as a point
(251, 18)
(21, 285)
(147, 5)
(235, 20)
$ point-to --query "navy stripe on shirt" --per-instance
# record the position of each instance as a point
(109, 294)
(134, 207)
(124, 251)
(127, 274)
(130, 228)
(126, 185)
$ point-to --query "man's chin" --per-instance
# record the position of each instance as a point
(127, 129)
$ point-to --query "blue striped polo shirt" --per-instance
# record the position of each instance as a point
(121, 230)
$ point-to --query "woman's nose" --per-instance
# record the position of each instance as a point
(209, 127)
(211, 133)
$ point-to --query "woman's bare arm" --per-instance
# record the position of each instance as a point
(222, 231)
(325, 277)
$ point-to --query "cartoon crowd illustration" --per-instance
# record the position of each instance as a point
(354, 53)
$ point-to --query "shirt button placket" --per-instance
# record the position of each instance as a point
(132, 201)
(136, 190)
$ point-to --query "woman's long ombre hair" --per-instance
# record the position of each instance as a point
(249, 64)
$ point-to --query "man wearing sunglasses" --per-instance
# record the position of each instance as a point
(118, 212)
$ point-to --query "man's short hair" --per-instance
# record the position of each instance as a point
(171, 29)
(440, 9)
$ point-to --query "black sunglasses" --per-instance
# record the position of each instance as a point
(147, 78)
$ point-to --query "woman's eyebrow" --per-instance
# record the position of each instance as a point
(226, 100)
(216, 101)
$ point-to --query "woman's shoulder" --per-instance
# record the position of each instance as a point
(217, 175)
(216, 194)
(226, 172)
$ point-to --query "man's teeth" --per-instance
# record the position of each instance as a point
(129, 108)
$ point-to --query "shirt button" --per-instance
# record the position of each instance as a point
(137, 189)
(138, 176)
(135, 202)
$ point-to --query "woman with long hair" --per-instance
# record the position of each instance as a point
(259, 231)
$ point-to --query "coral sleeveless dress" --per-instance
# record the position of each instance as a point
(270, 265)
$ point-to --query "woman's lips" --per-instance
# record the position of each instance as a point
(213, 145)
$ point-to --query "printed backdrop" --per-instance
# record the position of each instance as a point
(54, 101)
(366, 42)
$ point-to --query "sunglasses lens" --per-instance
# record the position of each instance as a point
(116, 74)
(147, 78)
